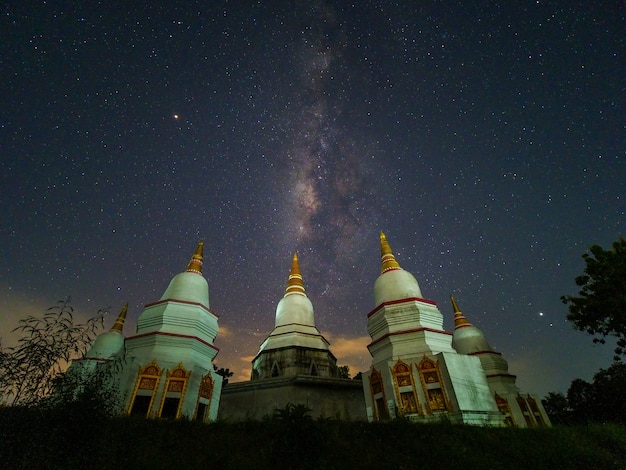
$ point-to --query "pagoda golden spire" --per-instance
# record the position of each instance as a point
(459, 318)
(119, 323)
(389, 262)
(195, 265)
(295, 284)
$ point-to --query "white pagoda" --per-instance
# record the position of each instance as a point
(165, 369)
(424, 373)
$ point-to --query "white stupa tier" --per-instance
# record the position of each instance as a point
(403, 322)
(183, 308)
(295, 320)
(295, 346)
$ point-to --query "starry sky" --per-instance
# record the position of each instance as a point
(486, 139)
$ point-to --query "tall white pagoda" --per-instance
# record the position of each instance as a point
(419, 370)
(165, 369)
(295, 346)
(294, 366)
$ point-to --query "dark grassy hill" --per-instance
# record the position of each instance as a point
(36, 439)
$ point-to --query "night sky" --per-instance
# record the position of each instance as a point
(486, 139)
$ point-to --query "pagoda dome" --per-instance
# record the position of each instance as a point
(106, 346)
(190, 286)
(467, 339)
(295, 307)
(110, 344)
(394, 283)
(470, 340)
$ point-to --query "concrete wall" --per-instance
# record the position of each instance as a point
(327, 397)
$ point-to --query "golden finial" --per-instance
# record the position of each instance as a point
(459, 318)
(389, 262)
(195, 265)
(455, 306)
(295, 284)
(119, 323)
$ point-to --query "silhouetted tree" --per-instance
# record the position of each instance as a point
(580, 398)
(557, 408)
(225, 373)
(343, 372)
(610, 404)
(600, 401)
(46, 346)
(600, 307)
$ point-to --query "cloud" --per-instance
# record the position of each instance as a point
(15, 306)
(245, 369)
(237, 348)
(225, 331)
(351, 351)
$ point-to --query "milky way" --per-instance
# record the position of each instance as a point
(325, 166)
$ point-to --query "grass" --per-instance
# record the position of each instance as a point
(36, 439)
